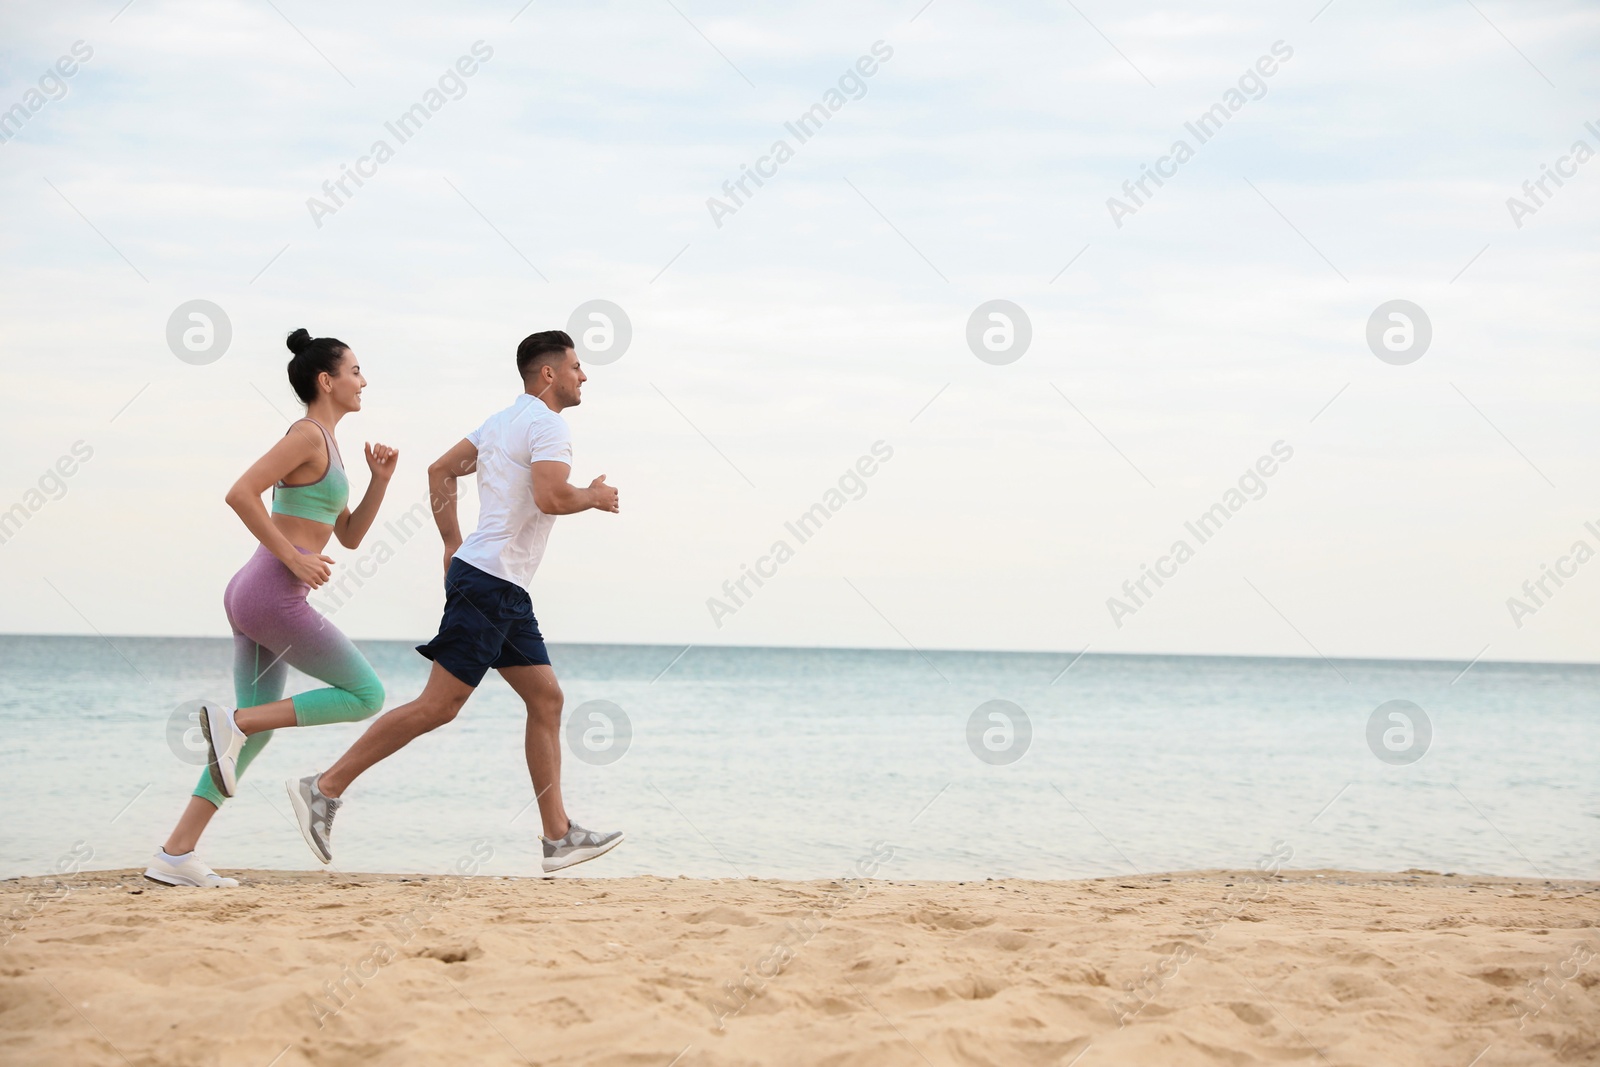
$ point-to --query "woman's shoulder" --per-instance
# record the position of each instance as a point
(308, 437)
(308, 429)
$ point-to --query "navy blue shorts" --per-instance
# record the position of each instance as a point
(488, 624)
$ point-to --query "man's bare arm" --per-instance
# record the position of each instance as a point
(554, 495)
(442, 474)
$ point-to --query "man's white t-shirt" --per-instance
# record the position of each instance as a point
(512, 531)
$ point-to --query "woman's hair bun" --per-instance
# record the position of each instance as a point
(313, 357)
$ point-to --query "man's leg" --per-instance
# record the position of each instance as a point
(467, 643)
(441, 699)
(565, 842)
(541, 693)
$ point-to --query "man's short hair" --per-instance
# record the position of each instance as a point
(537, 349)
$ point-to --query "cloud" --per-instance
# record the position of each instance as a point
(1221, 317)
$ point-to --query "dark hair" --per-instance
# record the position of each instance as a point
(312, 356)
(547, 347)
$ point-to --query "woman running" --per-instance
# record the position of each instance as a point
(273, 626)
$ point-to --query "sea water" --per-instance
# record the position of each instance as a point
(794, 763)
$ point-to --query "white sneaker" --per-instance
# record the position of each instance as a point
(223, 742)
(578, 846)
(188, 870)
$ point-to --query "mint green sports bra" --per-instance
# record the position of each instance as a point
(322, 500)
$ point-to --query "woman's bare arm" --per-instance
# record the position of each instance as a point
(352, 526)
(301, 445)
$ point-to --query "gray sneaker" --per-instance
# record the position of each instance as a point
(579, 845)
(314, 813)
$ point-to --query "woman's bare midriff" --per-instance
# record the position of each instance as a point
(308, 534)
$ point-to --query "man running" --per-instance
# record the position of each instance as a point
(523, 457)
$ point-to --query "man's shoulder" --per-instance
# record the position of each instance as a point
(534, 427)
(541, 416)
(525, 410)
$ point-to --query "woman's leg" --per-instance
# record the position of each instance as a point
(259, 675)
(268, 605)
(313, 645)
(320, 649)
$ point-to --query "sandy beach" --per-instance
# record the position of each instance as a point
(1216, 967)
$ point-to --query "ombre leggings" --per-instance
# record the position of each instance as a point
(275, 629)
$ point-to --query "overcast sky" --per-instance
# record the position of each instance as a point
(775, 340)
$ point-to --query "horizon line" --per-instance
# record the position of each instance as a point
(1085, 653)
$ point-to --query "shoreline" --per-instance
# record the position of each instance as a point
(133, 877)
(1409, 969)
